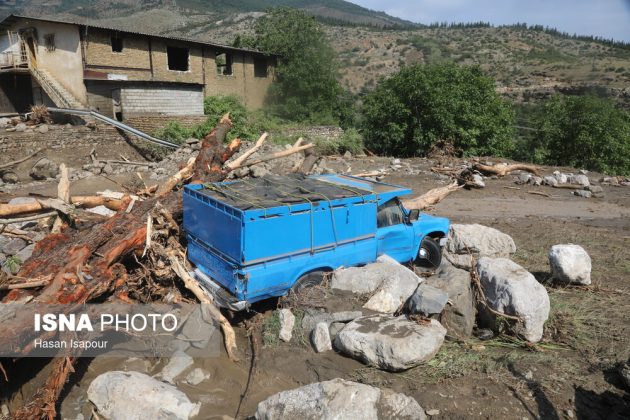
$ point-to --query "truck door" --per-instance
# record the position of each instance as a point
(395, 237)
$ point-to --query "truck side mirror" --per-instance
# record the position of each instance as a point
(414, 215)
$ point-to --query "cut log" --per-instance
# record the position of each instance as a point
(431, 197)
(503, 170)
(239, 161)
(63, 189)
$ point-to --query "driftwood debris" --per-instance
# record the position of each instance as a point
(95, 262)
(236, 163)
(503, 170)
(431, 197)
(297, 147)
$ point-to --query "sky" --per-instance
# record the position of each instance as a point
(605, 18)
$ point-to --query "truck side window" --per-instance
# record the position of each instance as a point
(389, 214)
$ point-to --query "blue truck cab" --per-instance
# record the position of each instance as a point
(259, 238)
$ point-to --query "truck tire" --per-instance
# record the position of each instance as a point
(430, 253)
(308, 280)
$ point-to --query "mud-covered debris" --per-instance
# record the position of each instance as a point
(339, 399)
(570, 263)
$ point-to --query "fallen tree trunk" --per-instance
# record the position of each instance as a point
(86, 265)
(431, 197)
(239, 161)
(503, 170)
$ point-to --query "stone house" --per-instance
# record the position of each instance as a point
(121, 73)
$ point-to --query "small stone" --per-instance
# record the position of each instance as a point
(21, 127)
(433, 412)
(484, 334)
(347, 155)
(569, 413)
(524, 178)
(10, 178)
(44, 169)
(550, 180)
(197, 376)
(477, 181)
(583, 193)
(108, 169)
(4, 410)
(560, 177)
(14, 246)
(580, 180)
(320, 337)
(536, 181)
(287, 322)
(43, 129)
(176, 366)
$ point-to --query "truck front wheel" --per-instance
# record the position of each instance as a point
(430, 253)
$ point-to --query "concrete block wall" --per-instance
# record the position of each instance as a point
(164, 100)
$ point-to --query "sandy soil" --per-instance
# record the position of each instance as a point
(571, 374)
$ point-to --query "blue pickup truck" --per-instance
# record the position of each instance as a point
(260, 238)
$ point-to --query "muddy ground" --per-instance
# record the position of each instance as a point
(571, 374)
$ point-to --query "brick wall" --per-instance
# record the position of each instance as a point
(166, 100)
(151, 123)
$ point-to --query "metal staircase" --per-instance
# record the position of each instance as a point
(57, 93)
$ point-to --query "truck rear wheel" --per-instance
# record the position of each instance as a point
(308, 280)
(430, 253)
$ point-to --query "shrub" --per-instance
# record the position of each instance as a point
(420, 105)
(174, 132)
(583, 132)
(350, 141)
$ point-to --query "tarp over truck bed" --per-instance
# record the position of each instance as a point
(252, 221)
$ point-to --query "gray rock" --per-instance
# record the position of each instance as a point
(197, 376)
(512, 290)
(484, 334)
(320, 337)
(570, 264)
(22, 200)
(135, 396)
(21, 127)
(199, 329)
(458, 316)
(176, 366)
(44, 169)
(596, 191)
(108, 169)
(524, 178)
(334, 329)
(427, 300)
(361, 280)
(478, 240)
(347, 155)
(560, 177)
(583, 193)
(624, 372)
(339, 399)
(390, 343)
(287, 322)
(550, 180)
(259, 171)
(394, 291)
(536, 181)
(580, 180)
(43, 129)
(477, 181)
(14, 246)
(312, 317)
(25, 253)
(10, 178)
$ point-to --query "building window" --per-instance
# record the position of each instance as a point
(117, 44)
(260, 67)
(178, 58)
(224, 64)
(49, 42)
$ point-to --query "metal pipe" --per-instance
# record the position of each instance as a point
(116, 124)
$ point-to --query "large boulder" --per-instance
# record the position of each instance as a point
(395, 289)
(44, 169)
(390, 343)
(362, 280)
(476, 240)
(459, 314)
(427, 300)
(570, 264)
(135, 396)
(339, 399)
(512, 290)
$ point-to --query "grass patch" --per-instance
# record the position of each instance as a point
(271, 329)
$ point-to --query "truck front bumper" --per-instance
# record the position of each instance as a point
(221, 296)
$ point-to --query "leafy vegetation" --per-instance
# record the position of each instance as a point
(421, 105)
(582, 132)
(350, 141)
(307, 86)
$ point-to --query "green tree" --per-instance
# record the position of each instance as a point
(583, 132)
(420, 105)
(306, 87)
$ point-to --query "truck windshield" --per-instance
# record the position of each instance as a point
(389, 214)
